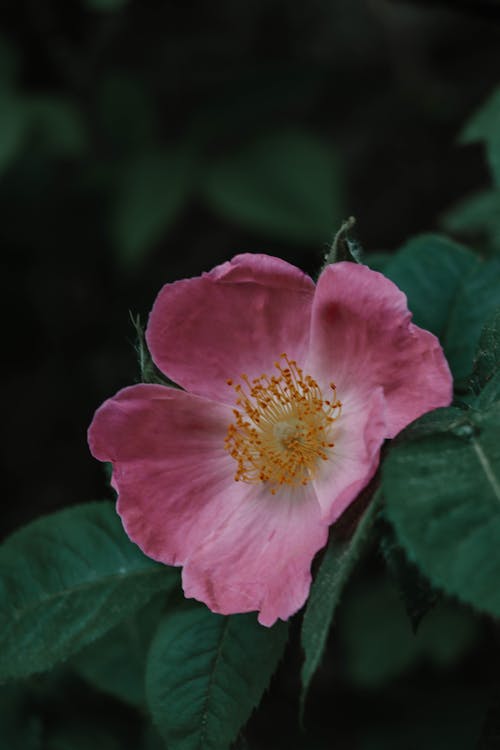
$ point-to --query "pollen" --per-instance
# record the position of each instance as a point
(282, 426)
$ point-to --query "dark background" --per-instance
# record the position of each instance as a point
(128, 141)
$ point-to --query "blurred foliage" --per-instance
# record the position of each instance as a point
(477, 218)
(485, 127)
(379, 644)
(286, 184)
(416, 592)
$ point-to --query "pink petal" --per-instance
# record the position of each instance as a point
(362, 337)
(261, 558)
(243, 548)
(237, 318)
(170, 469)
(358, 435)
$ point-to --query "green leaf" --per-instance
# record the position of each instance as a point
(377, 261)
(443, 497)
(487, 362)
(476, 216)
(116, 663)
(489, 395)
(66, 579)
(152, 190)
(485, 123)
(336, 567)
(493, 153)
(435, 422)
(450, 292)
(148, 371)
(206, 673)
(485, 126)
(476, 300)
(430, 269)
(53, 124)
(285, 184)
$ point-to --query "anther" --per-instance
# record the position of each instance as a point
(283, 428)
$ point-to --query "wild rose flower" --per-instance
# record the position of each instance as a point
(290, 390)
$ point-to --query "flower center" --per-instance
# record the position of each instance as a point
(282, 427)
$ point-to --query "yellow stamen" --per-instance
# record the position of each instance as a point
(282, 427)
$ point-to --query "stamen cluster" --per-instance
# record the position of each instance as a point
(282, 427)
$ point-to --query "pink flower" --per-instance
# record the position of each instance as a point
(289, 393)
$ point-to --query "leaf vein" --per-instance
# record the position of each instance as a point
(68, 592)
(487, 468)
(204, 714)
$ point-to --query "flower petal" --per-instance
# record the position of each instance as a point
(358, 435)
(170, 468)
(361, 333)
(237, 318)
(261, 558)
(243, 548)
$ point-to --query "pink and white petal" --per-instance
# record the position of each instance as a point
(361, 333)
(238, 318)
(173, 477)
(358, 435)
(261, 558)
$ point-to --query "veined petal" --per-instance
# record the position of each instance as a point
(242, 548)
(260, 559)
(237, 318)
(170, 468)
(358, 435)
(361, 333)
